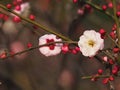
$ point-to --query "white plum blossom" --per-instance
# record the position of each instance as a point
(9, 27)
(24, 11)
(52, 49)
(90, 43)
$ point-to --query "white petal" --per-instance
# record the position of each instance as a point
(45, 50)
(86, 49)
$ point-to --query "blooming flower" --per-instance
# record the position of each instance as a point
(24, 9)
(52, 49)
(90, 42)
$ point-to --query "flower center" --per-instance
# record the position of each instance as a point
(91, 43)
(51, 46)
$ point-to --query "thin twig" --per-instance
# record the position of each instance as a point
(32, 48)
(99, 9)
(36, 24)
(116, 20)
(99, 76)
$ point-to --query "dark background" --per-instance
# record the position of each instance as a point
(61, 72)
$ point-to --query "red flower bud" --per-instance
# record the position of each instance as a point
(77, 49)
(75, 1)
(102, 31)
(73, 51)
(100, 71)
(19, 1)
(16, 19)
(110, 5)
(29, 45)
(105, 80)
(112, 34)
(3, 55)
(9, 6)
(115, 69)
(116, 50)
(118, 13)
(111, 78)
(32, 17)
(65, 48)
(104, 7)
(18, 8)
(111, 61)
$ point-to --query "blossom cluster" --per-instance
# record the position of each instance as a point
(90, 43)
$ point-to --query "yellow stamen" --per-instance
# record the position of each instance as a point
(91, 43)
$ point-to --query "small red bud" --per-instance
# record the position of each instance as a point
(111, 62)
(110, 5)
(88, 8)
(80, 11)
(102, 31)
(116, 50)
(113, 28)
(3, 55)
(111, 78)
(51, 47)
(32, 17)
(115, 69)
(1, 16)
(18, 7)
(29, 45)
(14, 2)
(77, 49)
(65, 48)
(118, 13)
(104, 7)
(73, 51)
(105, 80)
(19, 1)
(75, 1)
(112, 34)
(16, 19)
(100, 71)
(9, 6)
(5, 18)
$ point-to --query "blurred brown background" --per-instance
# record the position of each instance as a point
(62, 72)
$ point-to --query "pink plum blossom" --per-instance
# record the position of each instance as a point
(90, 43)
(52, 49)
(16, 47)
